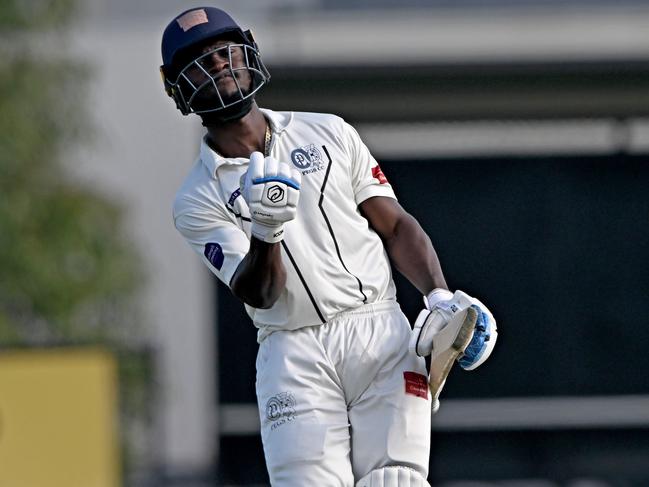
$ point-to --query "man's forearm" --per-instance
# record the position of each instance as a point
(412, 253)
(261, 277)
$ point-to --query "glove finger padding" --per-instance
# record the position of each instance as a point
(427, 324)
(438, 313)
(256, 168)
(284, 171)
(271, 165)
(272, 192)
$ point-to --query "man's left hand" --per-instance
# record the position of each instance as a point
(443, 310)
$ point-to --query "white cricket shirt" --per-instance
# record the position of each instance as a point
(334, 261)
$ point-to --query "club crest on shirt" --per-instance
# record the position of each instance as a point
(280, 409)
(308, 159)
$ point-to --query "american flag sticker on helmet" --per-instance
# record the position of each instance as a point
(192, 19)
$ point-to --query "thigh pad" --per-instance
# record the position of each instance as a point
(393, 476)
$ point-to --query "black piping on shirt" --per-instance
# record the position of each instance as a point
(297, 269)
(237, 215)
(306, 288)
(331, 232)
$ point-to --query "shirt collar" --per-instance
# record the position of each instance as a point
(213, 160)
(279, 121)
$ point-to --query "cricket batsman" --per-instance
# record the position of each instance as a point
(292, 213)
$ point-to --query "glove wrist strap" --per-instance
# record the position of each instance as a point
(267, 233)
(435, 296)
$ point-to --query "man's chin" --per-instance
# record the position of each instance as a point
(229, 114)
(210, 100)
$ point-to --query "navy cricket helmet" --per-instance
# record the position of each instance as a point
(189, 69)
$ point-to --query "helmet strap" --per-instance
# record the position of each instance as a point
(229, 114)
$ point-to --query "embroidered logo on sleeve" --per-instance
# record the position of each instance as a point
(416, 384)
(192, 19)
(214, 253)
(378, 174)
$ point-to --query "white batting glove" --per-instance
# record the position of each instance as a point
(452, 328)
(436, 314)
(272, 191)
(436, 325)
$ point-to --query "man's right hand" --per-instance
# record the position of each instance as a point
(272, 191)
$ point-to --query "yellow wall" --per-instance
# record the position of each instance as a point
(58, 418)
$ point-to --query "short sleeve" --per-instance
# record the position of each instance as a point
(367, 178)
(221, 244)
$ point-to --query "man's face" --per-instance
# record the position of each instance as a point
(223, 61)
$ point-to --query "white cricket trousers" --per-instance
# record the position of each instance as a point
(339, 400)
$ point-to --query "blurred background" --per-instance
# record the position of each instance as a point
(515, 131)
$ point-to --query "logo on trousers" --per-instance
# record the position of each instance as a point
(280, 409)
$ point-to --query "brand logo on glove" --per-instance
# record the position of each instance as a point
(275, 194)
